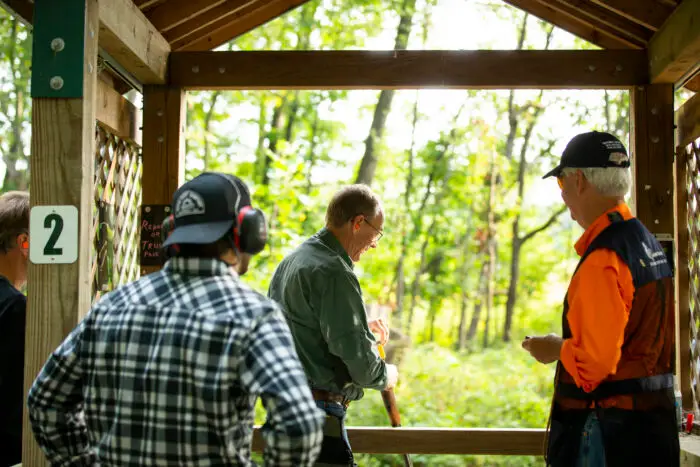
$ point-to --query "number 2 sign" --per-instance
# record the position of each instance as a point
(53, 234)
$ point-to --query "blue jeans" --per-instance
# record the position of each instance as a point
(335, 449)
(591, 450)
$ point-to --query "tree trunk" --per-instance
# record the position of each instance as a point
(400, 273)
(415, 286)
(207, 122)
(481, 291)
(368, 165)
(491, 249)
(15, 179)
(276, 127)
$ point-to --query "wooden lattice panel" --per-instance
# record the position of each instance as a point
(115, 225)
(693, 206)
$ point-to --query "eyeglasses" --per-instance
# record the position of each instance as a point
(379, 232)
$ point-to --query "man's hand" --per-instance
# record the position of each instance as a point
(392, 376)
(378, 326)
(545, 349)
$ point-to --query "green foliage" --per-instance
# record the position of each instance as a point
(15, 102)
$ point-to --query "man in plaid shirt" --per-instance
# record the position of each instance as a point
(166, 370)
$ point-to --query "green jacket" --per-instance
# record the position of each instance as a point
(321, 298)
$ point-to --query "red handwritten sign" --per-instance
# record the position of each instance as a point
(150, 244)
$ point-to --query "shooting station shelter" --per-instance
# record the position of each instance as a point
(105, 170)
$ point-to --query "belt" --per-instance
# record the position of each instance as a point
(326, 396)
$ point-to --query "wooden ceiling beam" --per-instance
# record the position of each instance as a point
(20, 8)
(205, 21)
(674, 51)
(649, 14)
(247, 19)
(599, 17)
(128, 36)
(176, 12)
(571, 24)
(410, 69)
(125, 34)
(145, 4)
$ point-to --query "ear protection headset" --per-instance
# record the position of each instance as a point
(165, 231)
(249, 228)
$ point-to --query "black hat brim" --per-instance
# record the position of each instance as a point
(556, 171)
(199, 234)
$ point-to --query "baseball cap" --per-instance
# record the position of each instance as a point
(205, 208)
(592, 149)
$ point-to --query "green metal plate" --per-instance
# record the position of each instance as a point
(54, 20)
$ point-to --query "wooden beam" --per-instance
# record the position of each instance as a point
(63, 160)
(652, 156)
(410, 69)
(604, 20)
(571, 23)
(250, 17)
(166, 16)
(119, 116)
(20, 8)
(479, 441)
(650, 14)
(128, 36)
(200, 25)
(688, 121)
(674, 51)
(163, 152)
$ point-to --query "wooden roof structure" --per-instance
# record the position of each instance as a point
(165, 47)
(663, 28)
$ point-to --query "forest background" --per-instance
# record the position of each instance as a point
(477, 248)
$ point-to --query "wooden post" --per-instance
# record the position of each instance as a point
(64, 70)
(164, 116)
(652, 141)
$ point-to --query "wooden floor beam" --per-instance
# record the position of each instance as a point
(410, 69)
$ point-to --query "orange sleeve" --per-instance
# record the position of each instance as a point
(600, 297)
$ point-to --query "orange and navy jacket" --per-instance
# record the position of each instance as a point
(618, 320)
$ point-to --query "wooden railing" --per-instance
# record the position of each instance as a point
(475, 441)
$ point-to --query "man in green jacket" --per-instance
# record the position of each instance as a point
(322, 301)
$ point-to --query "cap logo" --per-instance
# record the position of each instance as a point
(612, 145)
(618, 158)
(189, 203)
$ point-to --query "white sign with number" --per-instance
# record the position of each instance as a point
(53, 234)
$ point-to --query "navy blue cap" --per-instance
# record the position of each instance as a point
(205, 208)
(592, 149)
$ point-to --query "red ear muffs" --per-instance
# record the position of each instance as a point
(166, 229)
(250, 231)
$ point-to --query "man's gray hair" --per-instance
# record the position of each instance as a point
(609, 181)
(351, 201)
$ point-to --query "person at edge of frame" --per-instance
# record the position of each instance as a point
(613, 401)
(14, 261)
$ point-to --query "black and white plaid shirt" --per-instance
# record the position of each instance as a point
(166, 371)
